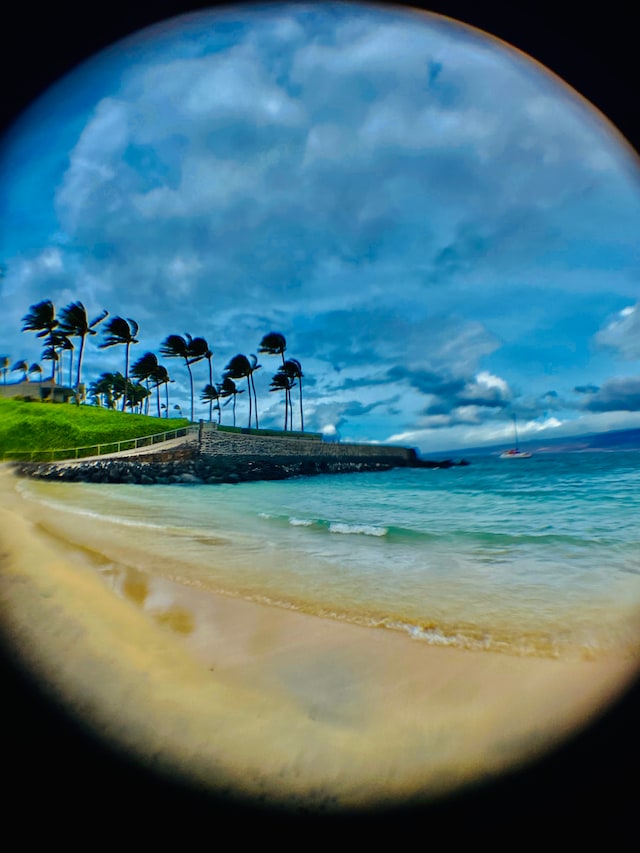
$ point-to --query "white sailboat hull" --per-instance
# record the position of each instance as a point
(515, 454)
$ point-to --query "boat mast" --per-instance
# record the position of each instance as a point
(515, 427)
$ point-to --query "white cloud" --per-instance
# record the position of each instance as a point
(492, 381)
(622, 333)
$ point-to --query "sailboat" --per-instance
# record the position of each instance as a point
(515, 452)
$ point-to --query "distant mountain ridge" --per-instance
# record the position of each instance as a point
(622, 439)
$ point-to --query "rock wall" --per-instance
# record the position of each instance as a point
(215, 443)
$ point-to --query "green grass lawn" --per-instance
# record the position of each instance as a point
(32, 426)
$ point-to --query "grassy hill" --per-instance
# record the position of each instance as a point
(31, 426)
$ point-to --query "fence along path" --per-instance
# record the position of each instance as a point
(125, 446)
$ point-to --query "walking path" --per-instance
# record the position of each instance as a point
(170, 444)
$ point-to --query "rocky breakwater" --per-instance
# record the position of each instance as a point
(230, 459)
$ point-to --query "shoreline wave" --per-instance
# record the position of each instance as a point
(561, 641)
(455, 636)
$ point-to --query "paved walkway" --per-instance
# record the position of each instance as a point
(135, 451)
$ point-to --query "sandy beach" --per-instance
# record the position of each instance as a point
(270, 703)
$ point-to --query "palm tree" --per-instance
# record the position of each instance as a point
(55, 343)
(75, 323)
(49, 353)
(293, 369)
(144, 369)
(121, 331)
(239, 368)
(104, 388)
(136, 395)
(4, 366)
(63, 343)
(211, 395)
(229, 390)
(118, 386)
(175, 346)
(35, 368)
(41, 318)
(199, 350)
(253, 367)
(161, 377)
(24, 367)
(282, 382)
(208, 354)
(275, 344)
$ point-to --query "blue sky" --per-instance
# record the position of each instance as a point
(444, 232)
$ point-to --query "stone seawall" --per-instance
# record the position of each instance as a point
(223, 457)
(215, 443)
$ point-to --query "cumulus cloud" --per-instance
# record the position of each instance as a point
(460, 399)
(622, 333)
(270, 162)
(615, 395)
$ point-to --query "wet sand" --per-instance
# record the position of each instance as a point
(267, 702)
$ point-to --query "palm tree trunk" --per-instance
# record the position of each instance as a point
(126, 378)
(286, 399)
(255, 396)
(79, 370)
(301, 415)
(286, 412)
(211, 401)
(166, 391)
(191, 385)
(250, 405)
(234, 408)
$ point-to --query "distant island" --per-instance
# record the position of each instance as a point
(621, 439)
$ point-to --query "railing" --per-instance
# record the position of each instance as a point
(56, 454)
(271, 433)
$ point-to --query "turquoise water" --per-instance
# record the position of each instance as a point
(538, 556)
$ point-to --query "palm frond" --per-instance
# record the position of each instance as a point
(41, 318)
(175, 346)
(273, 344)
(281, 382)
(97, 320)
(198, 349)
(145, 366)
(119, 331)
(238, 368)
(210, 393)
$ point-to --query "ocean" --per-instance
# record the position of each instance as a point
(535, 556)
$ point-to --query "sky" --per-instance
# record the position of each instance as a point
(445, 233)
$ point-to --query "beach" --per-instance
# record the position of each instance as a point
(267, 702)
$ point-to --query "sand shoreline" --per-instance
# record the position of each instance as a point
(272, 703)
